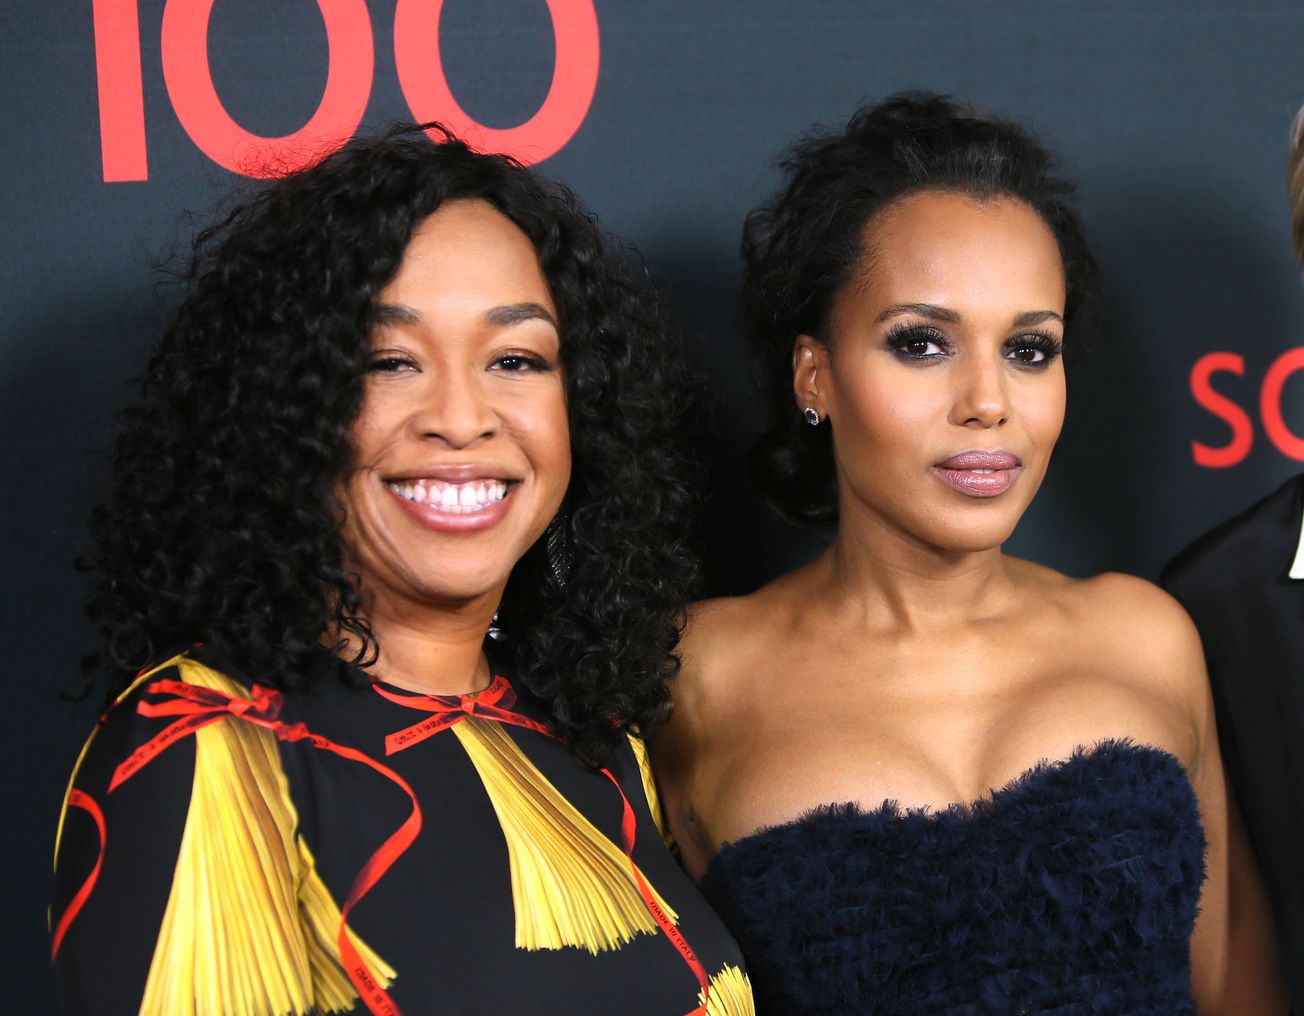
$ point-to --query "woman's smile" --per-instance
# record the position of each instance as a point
(454, 507)
(462, 441)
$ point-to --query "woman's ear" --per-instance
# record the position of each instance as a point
(809, 362)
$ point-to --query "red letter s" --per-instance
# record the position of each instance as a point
(1222, 407)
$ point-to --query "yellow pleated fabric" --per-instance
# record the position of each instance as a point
(731, 994)
(571, 885)
(249, 929)
(650, 788)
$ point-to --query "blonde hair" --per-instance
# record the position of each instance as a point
(1295, 185)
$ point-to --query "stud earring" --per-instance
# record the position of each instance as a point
(811, 415)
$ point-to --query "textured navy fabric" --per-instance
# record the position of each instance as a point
(1072, 889)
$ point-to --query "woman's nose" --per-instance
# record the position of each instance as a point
(455, 410)
(981, 399)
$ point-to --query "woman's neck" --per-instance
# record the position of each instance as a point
(889, 581)
(437, 650)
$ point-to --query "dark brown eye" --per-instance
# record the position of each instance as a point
(916, 343)
(388, 364)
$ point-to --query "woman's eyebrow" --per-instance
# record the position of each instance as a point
(928, 310)
(936, 313)
(515, 313)
(1036, 317)
(504, 315)
(394, 314)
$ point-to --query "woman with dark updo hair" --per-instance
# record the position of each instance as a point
(412, 392)
(917, 775)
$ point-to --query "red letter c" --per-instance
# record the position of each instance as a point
(1270, 403)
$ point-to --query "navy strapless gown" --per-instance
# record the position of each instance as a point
(1071, 890)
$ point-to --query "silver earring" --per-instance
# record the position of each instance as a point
(557, 544)
(812, 416)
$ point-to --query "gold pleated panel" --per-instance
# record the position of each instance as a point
(249, 929)
(650, 788)
(731, 994)
(571, 885)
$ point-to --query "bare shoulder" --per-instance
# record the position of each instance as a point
(723, 643)
(719, 637)
(1141, 634)
(1138, 613)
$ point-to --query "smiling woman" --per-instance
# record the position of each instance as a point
(918, 775)
(411, 389)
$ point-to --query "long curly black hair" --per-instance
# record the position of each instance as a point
(802, 247)
(221, 525)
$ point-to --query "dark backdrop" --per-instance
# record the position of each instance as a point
(1172, 113)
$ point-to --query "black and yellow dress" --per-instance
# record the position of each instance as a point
(228, 849)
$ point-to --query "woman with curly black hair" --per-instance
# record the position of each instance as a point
(411, 388)
(1034, 806)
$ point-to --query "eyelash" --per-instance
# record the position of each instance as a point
(522, 363)
(388, 364)
(902, 336)
(529, 362)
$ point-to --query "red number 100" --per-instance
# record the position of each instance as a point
(350, 70)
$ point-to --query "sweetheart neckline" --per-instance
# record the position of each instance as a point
(961, 813)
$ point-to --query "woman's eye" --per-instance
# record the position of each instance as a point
(917, 343)
(1033, 350)
(517, 363)
(922, 347)
(388, 364)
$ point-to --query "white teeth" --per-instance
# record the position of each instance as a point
(983, 472)
(456, 498)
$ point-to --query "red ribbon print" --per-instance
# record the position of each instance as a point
(195, 708)
(198, 707)
(79, 799)
(494, 703)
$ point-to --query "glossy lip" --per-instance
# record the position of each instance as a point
(978, 473)
(433, 518)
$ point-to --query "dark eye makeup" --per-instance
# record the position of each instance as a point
(911, 342)
(1033, 349)
(918, 343)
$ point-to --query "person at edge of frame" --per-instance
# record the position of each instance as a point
(1243, 585)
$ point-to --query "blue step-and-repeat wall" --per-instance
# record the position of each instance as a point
(129, 122)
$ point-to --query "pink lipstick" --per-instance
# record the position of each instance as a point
(453, 499)
(979, 473)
